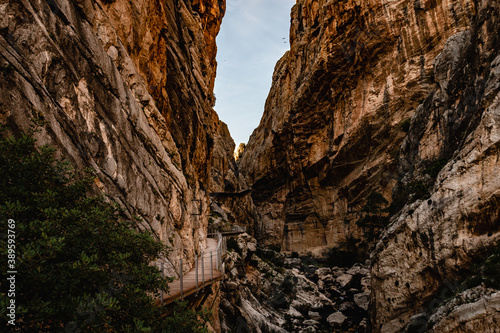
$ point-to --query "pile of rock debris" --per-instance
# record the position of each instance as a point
(265, 291)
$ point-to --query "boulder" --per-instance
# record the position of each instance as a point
(310, 322)
(314, 315)
(323, 272)
(328, 279)
(336, 319)
(308, 329)
(362, 300)
(344, 280)
(321, 285)
(293, 262)
(294, 313)
(347, 306)
(231, 285)
(337, 271)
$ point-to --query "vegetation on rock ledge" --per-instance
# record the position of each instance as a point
(80, 266)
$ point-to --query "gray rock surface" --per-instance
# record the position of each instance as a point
(336, 319)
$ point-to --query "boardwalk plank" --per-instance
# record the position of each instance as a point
(189, 279)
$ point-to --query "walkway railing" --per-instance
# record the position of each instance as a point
(226, 229)
(208, 267)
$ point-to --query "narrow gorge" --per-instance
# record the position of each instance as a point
(369, 192)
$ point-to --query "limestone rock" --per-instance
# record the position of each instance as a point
(308, 329)
(310, 322)
(323, 272)
(346, 306)
(336, 319)
(231, 285)
(119, 86)
(344, 280)
(293, 262)
(246, 244)
(314, 315)
(475, 309)
(290, 299)
(362, 300)
(480, 313)
(332, 124)
(453, 136)
(292, 312)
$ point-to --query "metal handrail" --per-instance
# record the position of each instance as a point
(227, 229)
(220, 253)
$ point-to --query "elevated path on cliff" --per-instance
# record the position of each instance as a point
(226, 230)
(230, 194)
(208, 269)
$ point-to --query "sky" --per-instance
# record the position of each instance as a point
(254, 35)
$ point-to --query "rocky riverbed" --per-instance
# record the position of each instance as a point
(267, 291)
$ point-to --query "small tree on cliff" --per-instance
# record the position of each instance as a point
(374, 211)
(80, 266)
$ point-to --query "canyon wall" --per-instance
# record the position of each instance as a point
(125, 88)
(439, 237)
(337, 113)
(380, 133)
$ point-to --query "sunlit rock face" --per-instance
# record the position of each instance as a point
(437, 240)
(336, 113)
(124, 87)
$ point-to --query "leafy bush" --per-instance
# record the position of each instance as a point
(417, 189)
(435, 167)
(487, 271)
(405, 125)
(81, 267)
(410, 193)
(185, 320)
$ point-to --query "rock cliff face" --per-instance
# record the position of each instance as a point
(229, 193)
(383, 117)
(451, 149)
(337, 113)
(125, 88)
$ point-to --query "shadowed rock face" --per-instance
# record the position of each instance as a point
(396, 101)
(436, 240)
(334, 119)
(124, 87)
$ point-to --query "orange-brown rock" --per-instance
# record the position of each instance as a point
(435, 242)
(336, 113)
(124, 87)
(382, 104)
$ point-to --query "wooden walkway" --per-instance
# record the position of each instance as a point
(191, 282)
(226, 230)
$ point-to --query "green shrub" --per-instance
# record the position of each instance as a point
(185, 320)
(487, 271)
(405, 125)
(410, 193)
(81, 267)
(435, 167)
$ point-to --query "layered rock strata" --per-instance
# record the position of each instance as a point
(451, 148)
(336, 114)
(230, 196)
(126, 89)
